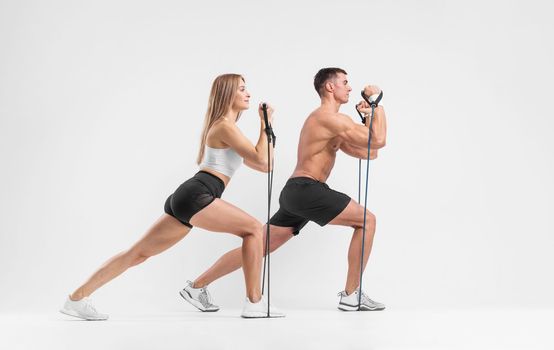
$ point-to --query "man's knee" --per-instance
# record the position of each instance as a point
(370, 220)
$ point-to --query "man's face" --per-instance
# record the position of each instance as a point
(341, 89)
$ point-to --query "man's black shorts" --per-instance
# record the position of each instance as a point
(304, 199)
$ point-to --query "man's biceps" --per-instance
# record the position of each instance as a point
(357, 138)
(348, 135)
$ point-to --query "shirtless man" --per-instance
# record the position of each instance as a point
(306, 197)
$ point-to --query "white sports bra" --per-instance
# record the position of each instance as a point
(222, 160)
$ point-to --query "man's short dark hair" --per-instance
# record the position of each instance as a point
(324, 75)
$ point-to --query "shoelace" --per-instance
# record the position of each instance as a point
(89, 307)
(205, 298)
(366, 298)
(344, 294)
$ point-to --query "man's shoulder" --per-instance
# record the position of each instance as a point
(327, 115)
(332, 119)
(333, 123)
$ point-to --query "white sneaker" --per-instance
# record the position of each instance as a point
(350, 302)
(198, 297)
(259, 309)
(82, 309)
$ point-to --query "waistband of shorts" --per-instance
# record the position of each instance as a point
(210, 180)
(304, 179)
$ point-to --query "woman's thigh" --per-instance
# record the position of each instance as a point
(221, 216)
(163, 234)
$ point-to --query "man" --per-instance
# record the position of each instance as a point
(306, 197)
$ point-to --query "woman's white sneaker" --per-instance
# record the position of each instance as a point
(259, 309)
(350, 302)
(83, 309)
(198, 297)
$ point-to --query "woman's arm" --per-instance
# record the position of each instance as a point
(255, 156)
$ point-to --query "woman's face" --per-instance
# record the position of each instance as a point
(242, 98)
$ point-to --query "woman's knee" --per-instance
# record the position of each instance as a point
(136, 257)
(253, 228)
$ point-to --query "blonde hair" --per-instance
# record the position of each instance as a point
(222, 95)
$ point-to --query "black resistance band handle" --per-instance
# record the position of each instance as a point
(271, 138)
(372, 102)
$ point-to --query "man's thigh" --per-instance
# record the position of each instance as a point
(352, 215)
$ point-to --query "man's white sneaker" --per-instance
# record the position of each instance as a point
(198, 297)
(259, 309)
(350, 302)
(82, 309)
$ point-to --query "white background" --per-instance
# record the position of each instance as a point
(102, 104)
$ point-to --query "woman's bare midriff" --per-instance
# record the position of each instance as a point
(217, 174)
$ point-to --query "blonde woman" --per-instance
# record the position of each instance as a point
(197, 202)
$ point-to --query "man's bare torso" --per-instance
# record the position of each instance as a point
(318, 146)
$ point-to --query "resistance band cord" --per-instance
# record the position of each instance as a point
(271, 139)
(373, 104)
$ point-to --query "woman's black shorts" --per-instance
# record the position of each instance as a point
(193, 195)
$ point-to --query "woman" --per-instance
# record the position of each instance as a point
(197, 202)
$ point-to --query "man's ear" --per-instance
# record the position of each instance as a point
(329, 86)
